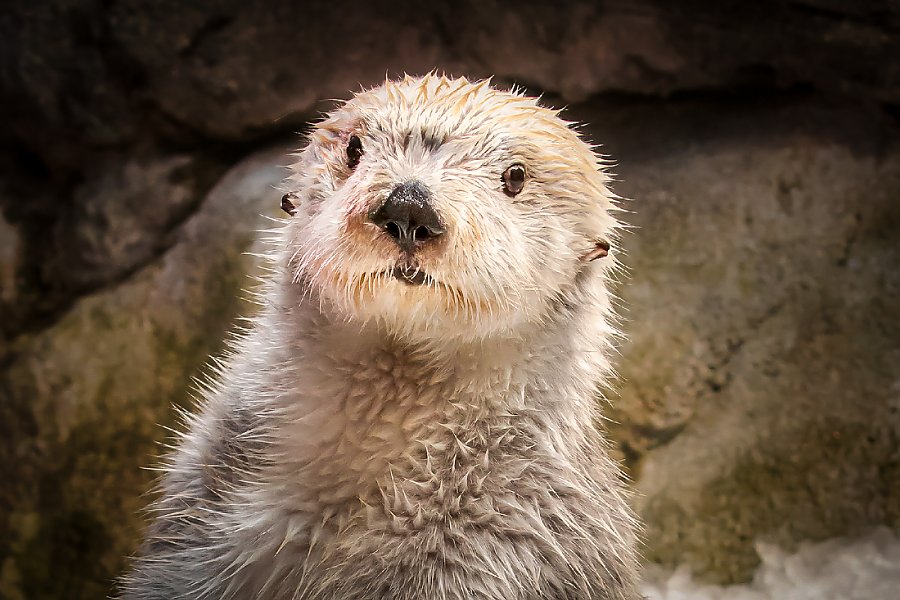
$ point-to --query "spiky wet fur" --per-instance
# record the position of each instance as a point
(367, 439)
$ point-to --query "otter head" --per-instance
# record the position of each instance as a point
(436, 206)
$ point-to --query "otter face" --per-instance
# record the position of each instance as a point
(439, 206)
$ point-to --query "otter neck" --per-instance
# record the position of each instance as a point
(356, 408)
(529, 369)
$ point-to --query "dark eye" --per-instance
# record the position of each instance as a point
(514, 179)
(354, 151)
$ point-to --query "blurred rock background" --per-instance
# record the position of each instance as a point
(759, 143)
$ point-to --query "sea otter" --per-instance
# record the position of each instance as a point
(413, 413)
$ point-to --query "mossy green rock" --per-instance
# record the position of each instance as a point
(83, 401)
(761, 381)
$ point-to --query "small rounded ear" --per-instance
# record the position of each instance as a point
(601, 249)
(287, 203)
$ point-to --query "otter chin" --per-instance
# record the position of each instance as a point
(411, 415)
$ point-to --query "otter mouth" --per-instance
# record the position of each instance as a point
(411, 276)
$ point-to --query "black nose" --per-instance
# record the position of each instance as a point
(407, 216)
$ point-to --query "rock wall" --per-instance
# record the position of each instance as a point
(761, 377)
(759, 145)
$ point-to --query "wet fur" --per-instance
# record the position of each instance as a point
(367, 439)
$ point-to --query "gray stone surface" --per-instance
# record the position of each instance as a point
(122, 217)
(82, 401)
(761, 375)
(231, 69)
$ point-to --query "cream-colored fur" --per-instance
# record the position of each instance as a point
(370, 439)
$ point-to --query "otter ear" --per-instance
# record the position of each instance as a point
(600, 249)
(289, 203)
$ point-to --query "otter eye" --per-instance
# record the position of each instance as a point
(514, 179)
(354, 151)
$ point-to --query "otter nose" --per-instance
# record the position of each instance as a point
(407, 216)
